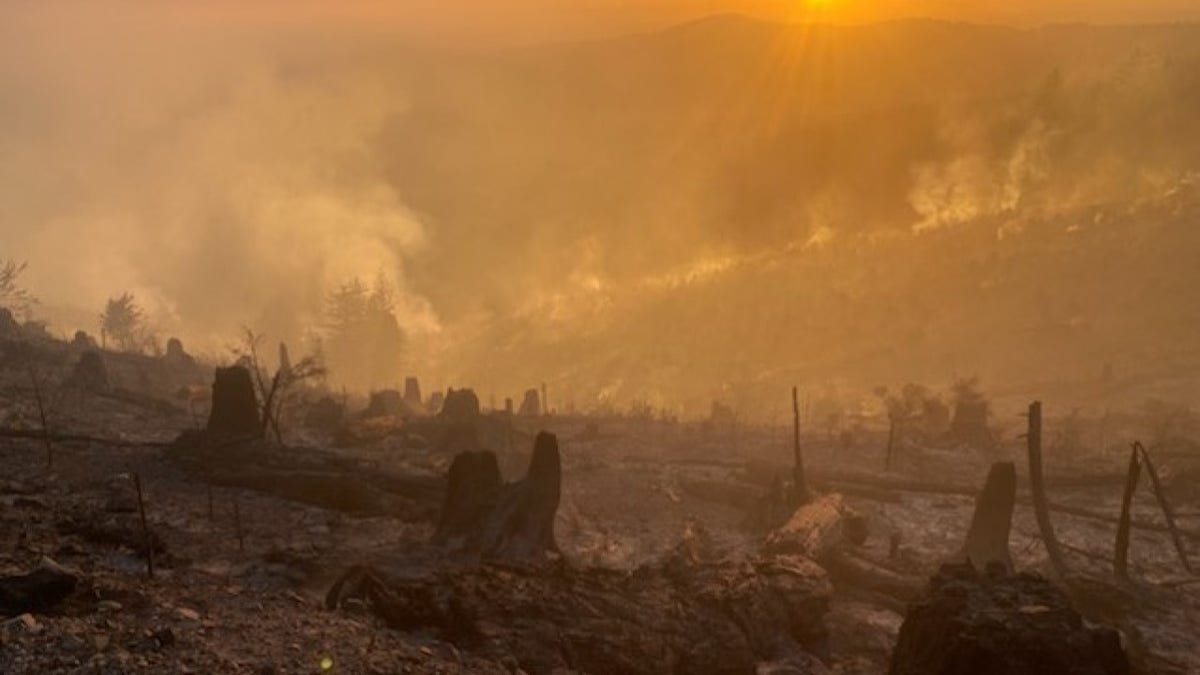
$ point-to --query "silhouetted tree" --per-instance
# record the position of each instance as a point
(364, 342)
(13, 295)
(124, 322)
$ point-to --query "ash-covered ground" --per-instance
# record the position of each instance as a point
(243, 565)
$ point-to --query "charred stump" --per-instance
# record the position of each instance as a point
(987, 540)
(90, 373)
(412, 393)
(970, 623)
(460, 404)
(531, 405)
(481, 516)
(234, 405)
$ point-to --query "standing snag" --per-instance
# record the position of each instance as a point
(987, 539)
(234, 405)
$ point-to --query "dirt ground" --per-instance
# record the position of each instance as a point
(217, 604)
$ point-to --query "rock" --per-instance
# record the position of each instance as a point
(24, 622)
(189, 614)
(970, 623)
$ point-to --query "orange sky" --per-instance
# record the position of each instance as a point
(487, 21)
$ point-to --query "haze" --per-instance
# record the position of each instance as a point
(624, 207)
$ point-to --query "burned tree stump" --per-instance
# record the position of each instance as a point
(234, 405)
(997, 624)
(90, 373)
(412, 393)
(471, 489)
(531, 405)
(387, 403)
(460, 404)
(987, 540)
(483, 517)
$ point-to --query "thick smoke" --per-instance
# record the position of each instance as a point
(714, 211)
(225, 178)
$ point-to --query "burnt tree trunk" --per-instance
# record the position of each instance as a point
(234, 405)
(483, 517)
(987, 540)
(1121, 550)
(800, 491)
(1037, 486)
(1168, 512)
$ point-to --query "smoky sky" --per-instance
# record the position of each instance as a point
(707, 211)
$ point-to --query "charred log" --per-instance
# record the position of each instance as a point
(702, 619)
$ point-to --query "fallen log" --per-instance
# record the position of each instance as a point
(817, 529)
(681, 615)
(703, 619)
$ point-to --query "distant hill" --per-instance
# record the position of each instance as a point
(738, 203)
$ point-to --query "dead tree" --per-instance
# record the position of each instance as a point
(1121, 550)
(1037, 487)
(987, 539)
(141, 504)
(41, 408)
(1168, 512)
(800, 493)
(891, 443)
